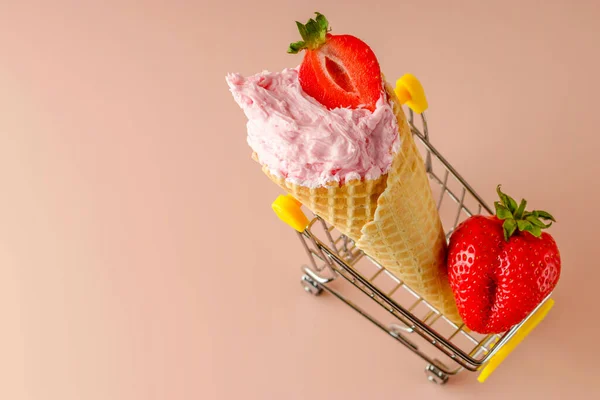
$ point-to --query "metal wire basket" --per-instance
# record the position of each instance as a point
(391, 305)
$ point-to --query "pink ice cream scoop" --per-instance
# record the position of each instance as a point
(299, 139)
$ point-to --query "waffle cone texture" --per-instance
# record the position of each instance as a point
(392, 219)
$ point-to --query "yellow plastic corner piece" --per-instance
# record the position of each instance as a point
(288, 210)
(521, 334)
(410, 92)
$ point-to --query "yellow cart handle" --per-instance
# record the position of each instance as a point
(288, 210)
(521, 334)
(410, 92)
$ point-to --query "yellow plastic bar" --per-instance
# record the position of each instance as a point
(288, 210)
(521, 334)
(410, 92)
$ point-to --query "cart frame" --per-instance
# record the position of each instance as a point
(333, 256)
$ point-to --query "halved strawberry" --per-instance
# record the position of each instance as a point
(337, 70)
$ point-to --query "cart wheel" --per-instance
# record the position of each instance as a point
(436, 375)
(288, 210)
(410, 92)
(310, 286)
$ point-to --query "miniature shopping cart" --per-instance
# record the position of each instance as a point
(341, 269)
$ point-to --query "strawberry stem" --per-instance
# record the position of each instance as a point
(313, 34)
(515, 217)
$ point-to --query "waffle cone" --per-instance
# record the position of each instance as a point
(348, 207)
(406, 234)
(393, 219)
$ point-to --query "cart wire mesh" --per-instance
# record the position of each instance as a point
(332, 255)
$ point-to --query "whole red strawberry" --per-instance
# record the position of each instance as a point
(501, 267)
(337, 70)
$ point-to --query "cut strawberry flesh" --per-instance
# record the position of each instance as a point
(343, 72)
(339, 75)
(337, 70)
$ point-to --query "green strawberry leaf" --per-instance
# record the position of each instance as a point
(508, 201)
(509, 226)
(503, 197)
(313, 34)
(524, 225)
(501, 211)
(536, 221)
(512, 204)
(303, 31)
(322, 21)
(517, 217)
(521, 209)
(536, 231)
(313, 28)
(296, 47)
(544, 215)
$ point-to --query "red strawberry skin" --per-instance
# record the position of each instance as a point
(343, 72)
(497, 283)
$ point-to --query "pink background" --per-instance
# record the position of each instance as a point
(139, 257)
